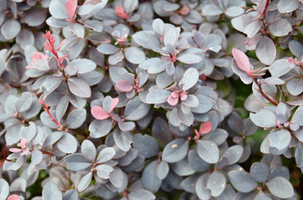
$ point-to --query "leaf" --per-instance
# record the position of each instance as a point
(259, 171)
(83, 65)
(79, 87)
(287, 6)
(150, 179)
(158, 26)
(136, 109)
(4, 189)
(241, 60)
(88, 149)
(233, 154)
(84, 182)
(211, 10)
(124, 86)
(264, 118)
(146, 145)
(171, 36)
(71, 194)
(189, 58)
(107, 49)
(123, 139)
(157, 96)
(201, 187)
(77, 162)
(175, 151)
(146, 39)
(100, 128)
(116, 177)
(106, 154)
(71, 6)
(68, 143)
(266, 50)
(252, 28)
(57, 9)
(51, 192)
(295, 86)
(242, 181)
(205, 127)
(298, 116)
(141, 194)
(99, 113)
(162, 170)
(280, 187)
(24, 102)
(50, 84)
(76, 118)
(276, 29)
(280, 139)
(190, 78)
(196, 162)
(216, 183)
(134, 55)
(52, 138)
(10, 29)
(103, 171)
(208, 151)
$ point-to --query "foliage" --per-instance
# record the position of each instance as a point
(147, 100)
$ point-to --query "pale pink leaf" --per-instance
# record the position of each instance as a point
(23, 143)
(183, 96)
(121, 13)
(241, 60)
(71, 6)
(175, 94)
(99, 113)
(185, 10)
(24, 151)
(113, 104)
(124, 86)
(13, 197)
(205, 127)
(172, 101)
(14, 150)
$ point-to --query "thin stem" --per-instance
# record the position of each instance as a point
(265, 95)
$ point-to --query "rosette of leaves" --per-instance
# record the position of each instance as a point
(132, 54)
(184, 105)
(76, 74)
(130, 85)
(17, 111)
(102, 167)
(229, 7)
(242, 130)
(171, 52)
(266, 177)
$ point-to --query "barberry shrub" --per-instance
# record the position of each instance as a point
(144, 100)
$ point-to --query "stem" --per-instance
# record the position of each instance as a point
(265, 95)
(49, 114)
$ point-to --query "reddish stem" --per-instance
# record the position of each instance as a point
(265, 95)
(49, 114)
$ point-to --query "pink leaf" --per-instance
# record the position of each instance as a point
(15, 150)
(241, 60)
(24, 151)
(172, 101)
(183, 96)
(124, 86)
(175, 95)
(99, 113)
(13, 197)
(291, 60)
(23, 143)
(121, 13)
(205, 127)
(71, 6)
(185, 10)
(38, 56)
(113, 104)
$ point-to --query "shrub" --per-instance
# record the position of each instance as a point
(162, 99)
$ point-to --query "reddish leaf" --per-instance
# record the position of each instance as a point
(71, 6)
(185, 10)
(241, 60)
(13, 197)
(99, 113)
(205, 127)
(124, 86)
(15, 150)
(113, 104)
(172, 101)
(183, 96)
(121, 13)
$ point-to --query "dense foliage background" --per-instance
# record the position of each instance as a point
(162, 99)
